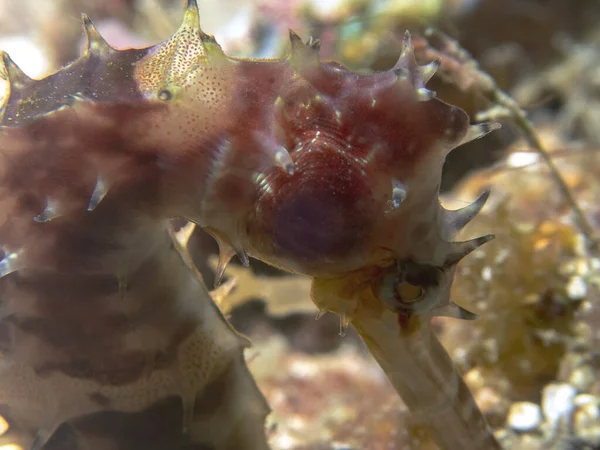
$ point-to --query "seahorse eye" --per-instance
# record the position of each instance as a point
(404, 286)
(165, 95)
(393, 290)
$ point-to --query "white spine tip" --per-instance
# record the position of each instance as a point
(284, 160)
(244, 258)
(479, 130)
(407, 46)
(344, 324)
(399, 193)
(51, 211)
(221, 268)
(429, 70)
(226, 252)
(424, 94)
(320, 314)
(279, 153)
(9, 264)
(100, 191)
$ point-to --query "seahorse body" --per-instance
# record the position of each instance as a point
(100, 313)
(301, 163)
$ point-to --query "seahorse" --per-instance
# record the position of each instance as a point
(300, 163)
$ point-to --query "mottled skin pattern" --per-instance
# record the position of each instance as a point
(303, 164)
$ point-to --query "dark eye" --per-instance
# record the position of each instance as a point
(395, 291)
(165, 95)
(409, 287)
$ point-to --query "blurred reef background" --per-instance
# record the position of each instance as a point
(532, 359)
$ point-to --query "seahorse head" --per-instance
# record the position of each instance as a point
(367, 153)
(308, 165)
(302, 163)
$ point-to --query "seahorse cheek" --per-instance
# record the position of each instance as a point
(319, 218)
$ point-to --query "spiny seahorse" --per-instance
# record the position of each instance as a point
(300, 163)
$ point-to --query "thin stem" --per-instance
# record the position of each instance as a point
(422, 372)
(518, 115)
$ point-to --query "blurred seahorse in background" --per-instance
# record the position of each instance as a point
(303, 164)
